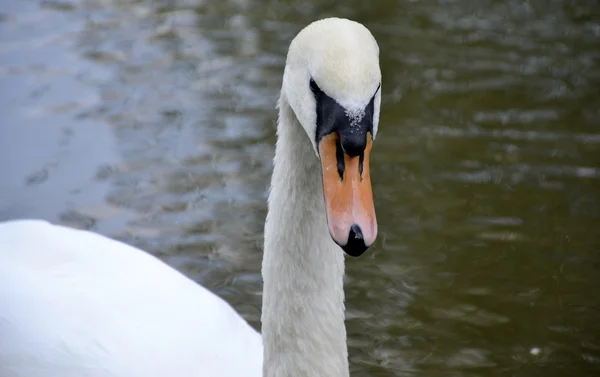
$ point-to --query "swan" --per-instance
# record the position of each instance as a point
(74, 303)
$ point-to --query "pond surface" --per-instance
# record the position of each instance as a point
(154, 122)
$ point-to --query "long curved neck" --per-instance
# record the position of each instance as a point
(303, 269)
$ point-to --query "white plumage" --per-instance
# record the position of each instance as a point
(74, 303)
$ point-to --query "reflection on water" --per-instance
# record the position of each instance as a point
(153, 122)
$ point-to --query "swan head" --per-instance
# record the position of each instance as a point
(332, 82)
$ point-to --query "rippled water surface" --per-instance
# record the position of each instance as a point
(154, 121)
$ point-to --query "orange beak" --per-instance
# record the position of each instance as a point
(348, 195)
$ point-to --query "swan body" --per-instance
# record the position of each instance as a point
(76, 304)
(86, 305)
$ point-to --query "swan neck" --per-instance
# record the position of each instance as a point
(303, 298)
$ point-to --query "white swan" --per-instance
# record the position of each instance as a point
(77, 304)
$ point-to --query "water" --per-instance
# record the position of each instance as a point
(153, 122)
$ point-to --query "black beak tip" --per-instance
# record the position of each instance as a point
(356, 244)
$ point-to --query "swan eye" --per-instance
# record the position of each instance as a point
(314, 87)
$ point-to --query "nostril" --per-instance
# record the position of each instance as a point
(356, 232)
(356, 245)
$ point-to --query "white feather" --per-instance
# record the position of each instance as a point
(74, 303)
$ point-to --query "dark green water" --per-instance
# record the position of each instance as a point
(153, 122)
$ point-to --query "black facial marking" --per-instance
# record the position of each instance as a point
(314, 87)
(339, 156)
(353, 129)
(361, 160)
